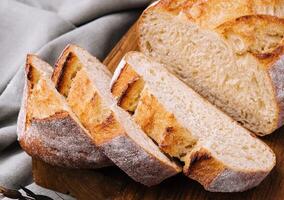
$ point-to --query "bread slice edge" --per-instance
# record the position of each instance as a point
(51, 138)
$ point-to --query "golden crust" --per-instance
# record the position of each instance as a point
(255, 31)
(207, 13)
(211, 13)
(127, 89)
(162, 126)
(122, 83)
(86, 102)
(43, 123)
(152, 117)
(100, 118)
(88, 105)
(216, 177)
(202, 167)
(59, 65)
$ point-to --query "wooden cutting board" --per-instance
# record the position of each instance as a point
(112, 183)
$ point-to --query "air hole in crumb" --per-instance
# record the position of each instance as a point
(160, 40)
(245, 147)
(261, 104)
(179, 69)
(250, 158)
(149, 47)
(152, 72)
(194, 73)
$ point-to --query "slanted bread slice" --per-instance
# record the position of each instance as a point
(217, 152)
(85, 83)
(47, 128)
(234, 61)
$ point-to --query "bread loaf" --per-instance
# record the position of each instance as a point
(225, 51)
(85, 83)
(47, 128)
(216, 150)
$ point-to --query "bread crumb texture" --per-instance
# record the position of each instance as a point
(227, 60)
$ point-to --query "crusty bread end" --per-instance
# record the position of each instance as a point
(47, 129)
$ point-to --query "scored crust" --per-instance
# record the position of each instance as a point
(216, 14)
(216, 177)
(110, 126)
(212, 13)
(200, 164)
(57, 139)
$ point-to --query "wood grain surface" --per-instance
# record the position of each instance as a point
(112, 183)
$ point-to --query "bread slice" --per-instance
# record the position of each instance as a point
(47, 128)
(85, 83)
(216, 150)
(234, 62)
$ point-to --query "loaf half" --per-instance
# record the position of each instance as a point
(225, 52)
(47, 128)
(216, 150)
(85, 83)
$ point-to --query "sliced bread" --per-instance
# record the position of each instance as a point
(232, 60)
(47, 128)
(85, 83)
(216, 150)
